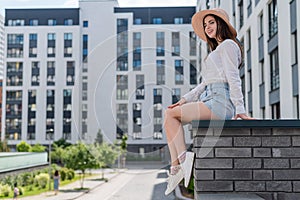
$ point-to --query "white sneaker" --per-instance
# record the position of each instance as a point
(187, 167)
(173, 181)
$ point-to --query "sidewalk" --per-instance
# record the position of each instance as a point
(68, 192)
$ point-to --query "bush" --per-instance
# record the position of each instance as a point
(5, 190)
(42, 180)
(63, 173)
(70, 174)
(21, 190)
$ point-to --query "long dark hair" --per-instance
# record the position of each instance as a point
(223, 32)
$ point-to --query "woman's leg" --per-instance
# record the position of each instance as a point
(175, 118)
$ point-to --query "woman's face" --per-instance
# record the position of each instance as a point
(210, 26)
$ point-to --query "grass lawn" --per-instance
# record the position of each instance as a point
(36, 190)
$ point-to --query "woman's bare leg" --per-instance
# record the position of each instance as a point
(175, 118)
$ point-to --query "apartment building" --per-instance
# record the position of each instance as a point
(72, 72)
(1, 46)
(268, 30)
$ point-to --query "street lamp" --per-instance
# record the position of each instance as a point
(49, 133)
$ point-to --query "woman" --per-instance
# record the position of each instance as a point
(218, 96)
(56, 179)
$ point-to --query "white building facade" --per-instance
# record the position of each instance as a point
(72, 72)
(1, 46)
(269, 33)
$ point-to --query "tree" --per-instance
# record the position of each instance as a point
(99, 137)
(3, 146)
(23, 147)
(78, 157)
(62, 143)
(38, 148)
(107, 155)
(57, 154)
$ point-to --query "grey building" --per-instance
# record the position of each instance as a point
(270, 74)
(72, 72)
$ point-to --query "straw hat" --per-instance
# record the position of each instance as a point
(197, 21)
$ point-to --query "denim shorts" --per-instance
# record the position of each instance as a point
(217, 98)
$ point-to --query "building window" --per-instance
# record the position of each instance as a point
(274, 68)
(122, 120)
(178, 20)
(296, 107)
(70, 73)
(193, 44)
(31, 127)
(140, 88)
(261, 72)
(261, 25)
(241, 9)
(68, 37)
(67, 114)
(137, 120)
(85, 24)
(176, 95)
(157, 20)
(14, 74)
(51, 22)
(15, 45)
(179, 72)
(122, 45)
(122, 87)
(157, 113)
(249, 7)
(35, 74)
(16, 22)
(175, 44)
(137, 51)
(50, 114)
(85, 39)
(160, 44)
(32, 45)
(51, 44)
(33, 22)
(137, 21)
(193, 72)
(160, 72)
(68, 22)
(275, 110)
(294, 48)
(273, 18)
(13, 121)
(50, 73)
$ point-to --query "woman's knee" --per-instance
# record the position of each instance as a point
(168, 113)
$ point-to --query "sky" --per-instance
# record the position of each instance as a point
(74, 3)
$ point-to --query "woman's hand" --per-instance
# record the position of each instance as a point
(243, 116)
(179, 103)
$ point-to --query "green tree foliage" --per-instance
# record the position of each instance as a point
(38, 148)
(57, 154)
(124, 143)
(3, 146)
(62, 143)
(23, 147)
(78, 157)
(106, 155)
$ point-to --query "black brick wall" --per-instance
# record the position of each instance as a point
(264, 161)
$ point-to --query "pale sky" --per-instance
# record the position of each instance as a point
(74, 3)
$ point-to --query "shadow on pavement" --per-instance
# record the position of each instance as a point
(159, 189)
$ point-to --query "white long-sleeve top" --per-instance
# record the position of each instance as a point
(221, 65)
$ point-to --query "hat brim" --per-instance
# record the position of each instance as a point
(197, 22)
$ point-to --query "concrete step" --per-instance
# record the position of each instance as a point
(227, 196)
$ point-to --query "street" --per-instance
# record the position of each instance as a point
(134, 184)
